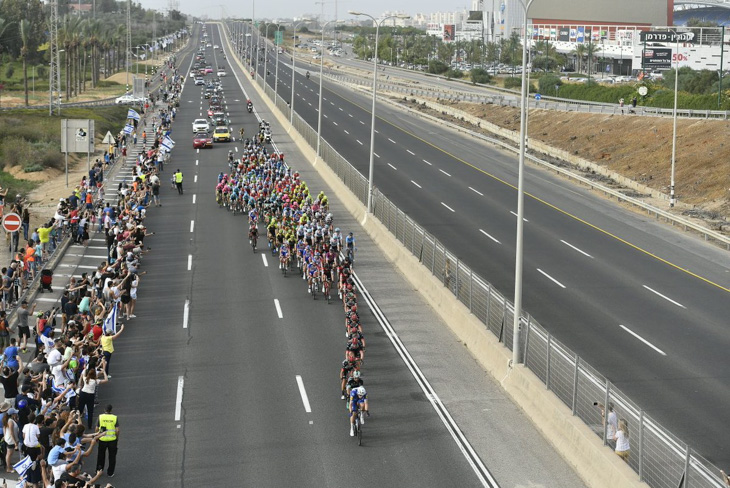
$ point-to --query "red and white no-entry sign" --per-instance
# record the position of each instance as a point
(12, 222)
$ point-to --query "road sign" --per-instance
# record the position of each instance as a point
(643, 91)
(278, 37)
(12, 222)
(108, 138)
(538, 96)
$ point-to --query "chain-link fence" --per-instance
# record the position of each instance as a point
(659, 458)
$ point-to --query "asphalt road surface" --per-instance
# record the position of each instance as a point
(645, 305)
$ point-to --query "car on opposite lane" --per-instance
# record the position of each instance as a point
(222, 134)
(201, 140)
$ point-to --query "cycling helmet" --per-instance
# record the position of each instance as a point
(356, 374)
(337, 229)
(361, 391)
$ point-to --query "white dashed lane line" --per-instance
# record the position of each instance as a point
(643, 340)
(358, 141)
(444, 172)
(391, 140)
(392, 166)
(442, 203)
(266, 262)
(664, 297)
(576, 249)
(346, 132)
(524, 219)
(486, 234)
(192, 223)
(335, 123)
(376, 155)
(477, 192)
(419, 186)
(278, 308)
(427, 162)
(410, 152)
(551, 278)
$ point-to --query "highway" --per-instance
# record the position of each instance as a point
(644, 304)
(229, 374)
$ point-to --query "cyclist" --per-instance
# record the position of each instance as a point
(354, 381)
(358, 400)
(284, 255)
(240, 133)
(350, 246)
(345, 372)
(356, 345)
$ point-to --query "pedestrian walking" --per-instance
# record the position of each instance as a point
(179, 181)
(109, 427)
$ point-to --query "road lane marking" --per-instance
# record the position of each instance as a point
(325, 116)
(376, 155)
(427, 163)
(278, 308)
(392, 166)
(484, 232)
(363, 123)
(410, 152)
(444, 172)
(192, 225)
(419, 186)
(358, 141)
(664, 297)
(193, 198)
(190, 262)
(335, 123)
(551, 278)
(346, 132)
(178, 400)
(186, 314)
(516, 216)
(576, 249)
(236, 148)
(477, 192)
(350, 115)
(266, 263)
(376, 131)
(195, 179)
(340, 109)
(642, 339)
(391, 140)
(196, 162)
(303, 393)
(442, 203)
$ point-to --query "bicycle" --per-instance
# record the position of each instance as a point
(359, 421)
(284, 264)
(326, 286)
(315, 282)
(253, 238)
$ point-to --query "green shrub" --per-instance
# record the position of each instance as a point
(513, 82)
(41, 72)
(437, 67)
(107, 84)
(9, 71)
(479, 75)
(454, 73)
(547, 83)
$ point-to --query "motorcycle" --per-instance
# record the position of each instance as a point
(249, 107)
(307, 74)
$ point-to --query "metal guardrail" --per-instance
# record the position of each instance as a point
(659, 458)
(686, 225)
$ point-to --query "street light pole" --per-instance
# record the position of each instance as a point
(519, 251)
(371, 167)
(266, 51)
(293, 65)
(674, 123)
(276, 70)
(321, 70)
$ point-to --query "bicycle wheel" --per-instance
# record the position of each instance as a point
(283, 268)
(358, 426)
(314, 289)
(253, 244)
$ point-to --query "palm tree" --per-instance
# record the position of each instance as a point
(580, 52)
(25, 38)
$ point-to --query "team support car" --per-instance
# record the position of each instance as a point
(201, 140)
(219, 119)
(200, 125)
(222, 134)
(199, 80)
(221, 72)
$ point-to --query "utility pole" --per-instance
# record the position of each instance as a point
(129, 38)
(54, 79)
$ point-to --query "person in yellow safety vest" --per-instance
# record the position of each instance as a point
(109, 426)
(178, 181)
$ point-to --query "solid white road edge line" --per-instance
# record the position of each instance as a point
(303, 393)
(664, 297)
(178, 401)
(642, 339)
(551, 278)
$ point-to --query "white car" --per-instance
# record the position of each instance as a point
(128, 99)
(199, 81)
(221, 72)
(200, 125)
(216, 47)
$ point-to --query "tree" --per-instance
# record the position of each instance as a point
(13, 11)
(579, 52)
(25, 39)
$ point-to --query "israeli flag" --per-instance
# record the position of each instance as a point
(128, 129)
(23, 465)
(110, 322)
(132, 114)
(167, 144)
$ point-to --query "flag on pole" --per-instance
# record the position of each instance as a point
(132, 114)
(128, 129)
(167, 143)
(110, 322)
(23, 465)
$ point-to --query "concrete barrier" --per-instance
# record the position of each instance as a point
(597, 465)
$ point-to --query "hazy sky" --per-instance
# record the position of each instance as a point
(291, 8)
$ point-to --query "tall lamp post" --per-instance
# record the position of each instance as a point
(520, 195)
(674, 122)
(266, 50)
(276, 70)
(321, 70)
(258, 40)
(293, 64)
(371, 167)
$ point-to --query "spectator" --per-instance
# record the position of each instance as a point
(622, 440)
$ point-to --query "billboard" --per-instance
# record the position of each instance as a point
(667, 36)
(77, 135)
(475, 15)
(449, 32)
(564, 34)
(615, 12)
(657, 58)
